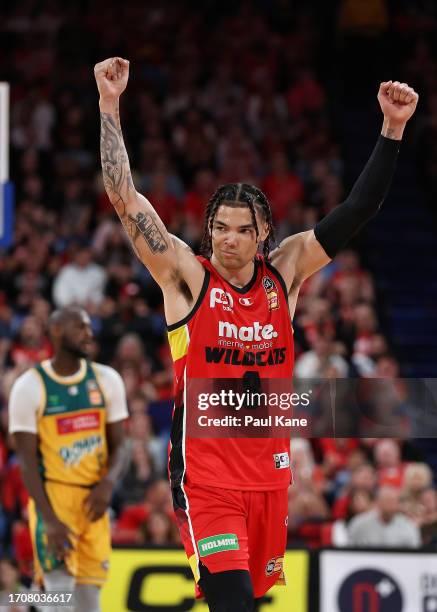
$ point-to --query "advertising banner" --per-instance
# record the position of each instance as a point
(378, 582)
(153, 580)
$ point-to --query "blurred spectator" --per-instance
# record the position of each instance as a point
(388, 461)
(307, 512)
(204, 185)
(129, 528)
(336, 453)
(305, 95)
(428, 517)
(360, 501)
(417, 479)
(79, 282)
(130, 351)
(316, 320)
(385, 526)
(315, 363)
(140, 473)
(283, 188)
(165, 204)
(366, 325)
(141, 429)
(363, 478)
(348, 268)
(160, 530)
(31, 345)
(306, 472)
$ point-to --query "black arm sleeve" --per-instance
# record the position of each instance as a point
(336, 229)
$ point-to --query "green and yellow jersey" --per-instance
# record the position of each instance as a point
(69, 414)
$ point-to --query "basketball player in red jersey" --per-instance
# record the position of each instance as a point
(228, 314)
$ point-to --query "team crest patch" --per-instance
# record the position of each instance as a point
(275, 566)
(218, 543)
(95, 398)
(94, 394)
(271, 292)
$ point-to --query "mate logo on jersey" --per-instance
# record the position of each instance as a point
(246, 333)
(236, 352)
(219, 296)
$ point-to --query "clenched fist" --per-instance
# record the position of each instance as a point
(111, 76)
(398, 101)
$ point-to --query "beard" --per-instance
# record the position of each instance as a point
(75, 350)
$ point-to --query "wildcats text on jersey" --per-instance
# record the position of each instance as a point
(231, 356)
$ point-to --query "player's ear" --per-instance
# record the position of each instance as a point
(264, 232)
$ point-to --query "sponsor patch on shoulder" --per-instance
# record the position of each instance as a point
(271, 292)
(218, 543)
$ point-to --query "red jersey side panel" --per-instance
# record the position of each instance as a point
(231, 331)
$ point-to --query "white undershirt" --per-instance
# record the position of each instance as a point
(26, 396)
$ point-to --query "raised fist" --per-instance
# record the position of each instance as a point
(111, 77)
(398, 101)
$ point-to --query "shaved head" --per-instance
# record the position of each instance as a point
(70, 331)
(62, 316)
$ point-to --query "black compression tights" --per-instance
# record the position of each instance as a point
(229, 591)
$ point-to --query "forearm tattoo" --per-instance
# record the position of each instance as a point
(145, 226)
(118, 182)
(115, 164)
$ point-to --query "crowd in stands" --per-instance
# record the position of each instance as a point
(215, 95)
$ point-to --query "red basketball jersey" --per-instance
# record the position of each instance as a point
(231, 331)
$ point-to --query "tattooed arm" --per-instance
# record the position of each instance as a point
(148, 235)
(140, 220)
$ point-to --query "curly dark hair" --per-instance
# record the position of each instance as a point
(238, 194)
